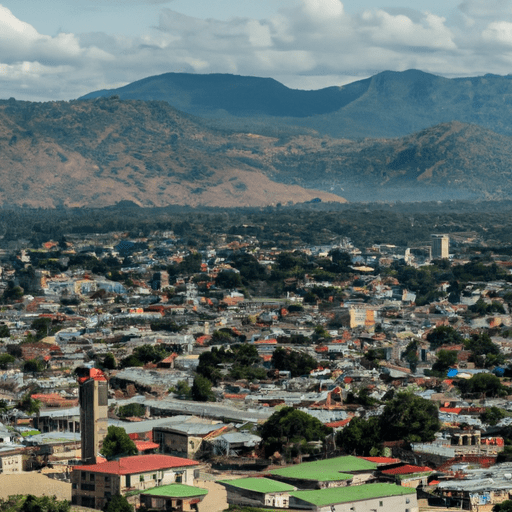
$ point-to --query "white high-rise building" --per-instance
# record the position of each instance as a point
(440, 247)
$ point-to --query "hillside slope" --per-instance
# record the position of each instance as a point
(389, 104)
(100, 152)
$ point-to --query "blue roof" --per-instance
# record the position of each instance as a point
(452, 372)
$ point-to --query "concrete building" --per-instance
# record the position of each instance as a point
(92, 485)
(257, 492)
(177, 497)
(440, 247)
(93, 403)
(361, 498)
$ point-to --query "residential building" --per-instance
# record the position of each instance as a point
(257, 492)
(360, 498)
(440, 247)
(172, 497)
(94, 484)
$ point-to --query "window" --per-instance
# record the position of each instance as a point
(107, 479)
(87, 487)
(141, 478)
(381, 503)
(91, 477)
(154, 476)
(407, 500)
(74, 486)
(83, 475)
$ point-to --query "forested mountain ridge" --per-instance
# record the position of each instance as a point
(100, 152)
(389, 104)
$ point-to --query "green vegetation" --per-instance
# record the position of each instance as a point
(444, 335)
(117, 443)
(31, 503)
(504, 506)
(182, 390)
(406, 416)
(291, 430)
(482, 384)
(202, 389)
(131, 410)
(295, 362)
(117, 503)
(145, 354)
(492, 415)
(28, 404)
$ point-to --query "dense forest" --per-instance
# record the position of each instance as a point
(477, 224)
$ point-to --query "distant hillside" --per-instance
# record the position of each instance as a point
(389, 104)
(100, 153)
(108, 151)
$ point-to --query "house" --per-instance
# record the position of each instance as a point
(257, 492)
(336, 472)
(235, 443)
(360, 498)
(185, 440)
(172, 497)
(92, 485)
(480, 490)
(408, 475)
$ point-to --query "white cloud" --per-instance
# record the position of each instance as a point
(498, 32)
(317, 42)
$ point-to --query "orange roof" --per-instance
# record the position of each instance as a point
(137, 464)
(453, 410)
(146, 445)
(94, 374)
(338, 424)
(406, 470)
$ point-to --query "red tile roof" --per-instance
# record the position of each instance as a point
(407, 469)
(137, 464)
(452, 410)
(146, 445)
(338, 424)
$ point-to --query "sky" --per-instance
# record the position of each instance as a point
(62, 49)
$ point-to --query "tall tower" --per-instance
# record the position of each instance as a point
(93, 401)
(440, 247)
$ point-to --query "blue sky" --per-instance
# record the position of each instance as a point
(61, 49)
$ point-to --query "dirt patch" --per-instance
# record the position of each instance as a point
(33, 483)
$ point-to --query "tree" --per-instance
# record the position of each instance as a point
(117, 503)
(6, 360)
(360, 436)
(290, 426)
(409, 417)
(4, 331)
(444, 335)
(202, 390)
(182, 390)
(484, 384)
(484, 352)
(131, 410)
(294, 362)
(117, 443)
(492, 415)
(28, 404)
(33, 503)
(445, 359)
(504, 506)
(109, 361)
(33, 366)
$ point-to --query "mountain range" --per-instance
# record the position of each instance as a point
(389, 104)
(224, 140)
